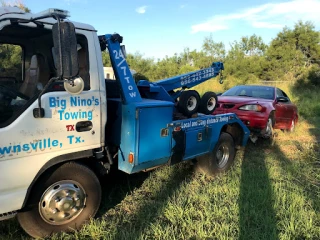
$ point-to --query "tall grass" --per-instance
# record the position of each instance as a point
(271, 192)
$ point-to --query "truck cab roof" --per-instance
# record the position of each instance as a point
(11, 13)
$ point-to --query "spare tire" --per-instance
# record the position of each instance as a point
(189, 102)
(208, 103)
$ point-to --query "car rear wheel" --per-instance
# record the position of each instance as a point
(269, 128)
(292, 126)
(268, 132)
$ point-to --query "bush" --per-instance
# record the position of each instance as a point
(314, 75)
(139, 76)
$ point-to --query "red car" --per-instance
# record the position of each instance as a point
(261, 108)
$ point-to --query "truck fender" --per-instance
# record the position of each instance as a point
(55, 162)
(236, 131)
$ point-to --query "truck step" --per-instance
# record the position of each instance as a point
(4, 216)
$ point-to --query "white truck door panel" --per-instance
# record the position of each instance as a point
(28, 142)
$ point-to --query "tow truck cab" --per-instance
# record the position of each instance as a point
(29, 146)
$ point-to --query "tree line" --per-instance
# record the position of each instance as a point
(289, 56)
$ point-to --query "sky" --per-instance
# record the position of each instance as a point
(157, 28)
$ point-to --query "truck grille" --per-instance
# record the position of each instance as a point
(227, 105)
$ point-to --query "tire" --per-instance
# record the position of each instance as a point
(220, 159)
(268, 131)
(208, 103)
(189, 102)
(62, 200)
(292, 126)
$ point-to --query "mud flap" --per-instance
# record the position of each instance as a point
(178, 150)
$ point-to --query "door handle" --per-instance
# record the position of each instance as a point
(84, 126)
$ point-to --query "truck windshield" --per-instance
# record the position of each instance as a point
(24, 68)
(11, 72)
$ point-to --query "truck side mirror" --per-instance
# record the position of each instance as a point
(65, 50)
(66, 61)
(66, 55)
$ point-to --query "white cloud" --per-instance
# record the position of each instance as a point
(270, 15)
(182, 6)
(141, 9)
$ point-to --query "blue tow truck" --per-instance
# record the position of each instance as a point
(63, 124)
(177, 133)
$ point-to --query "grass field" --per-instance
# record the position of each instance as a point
(271, 192)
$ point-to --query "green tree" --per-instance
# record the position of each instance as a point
(11, 55)
(106, 59)
(253, 45)
(10, 61)
(196, 59)
(245, 60)
(141, 65)
(215, 50)
(293, 50)
(165, 68)
(307, 41)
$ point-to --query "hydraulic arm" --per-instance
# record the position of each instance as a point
(191, 79)
(163, 89)
(169, 89)
(128, 87)
(160, 90)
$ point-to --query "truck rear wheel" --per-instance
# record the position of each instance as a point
(189, 102)
(63, 199)
(220, 159)
(208, 103)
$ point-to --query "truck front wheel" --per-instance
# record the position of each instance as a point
(220, 159)
(63, 199)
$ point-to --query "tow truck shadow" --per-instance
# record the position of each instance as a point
(257, 215)
(137, 215)
(258, 218)
(116, 185)
(10, 229)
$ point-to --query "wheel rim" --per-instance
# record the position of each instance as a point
(211, 103)
(222, 155)
(292, 126)
(192, 103)
(62, 202)
(269, 127)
